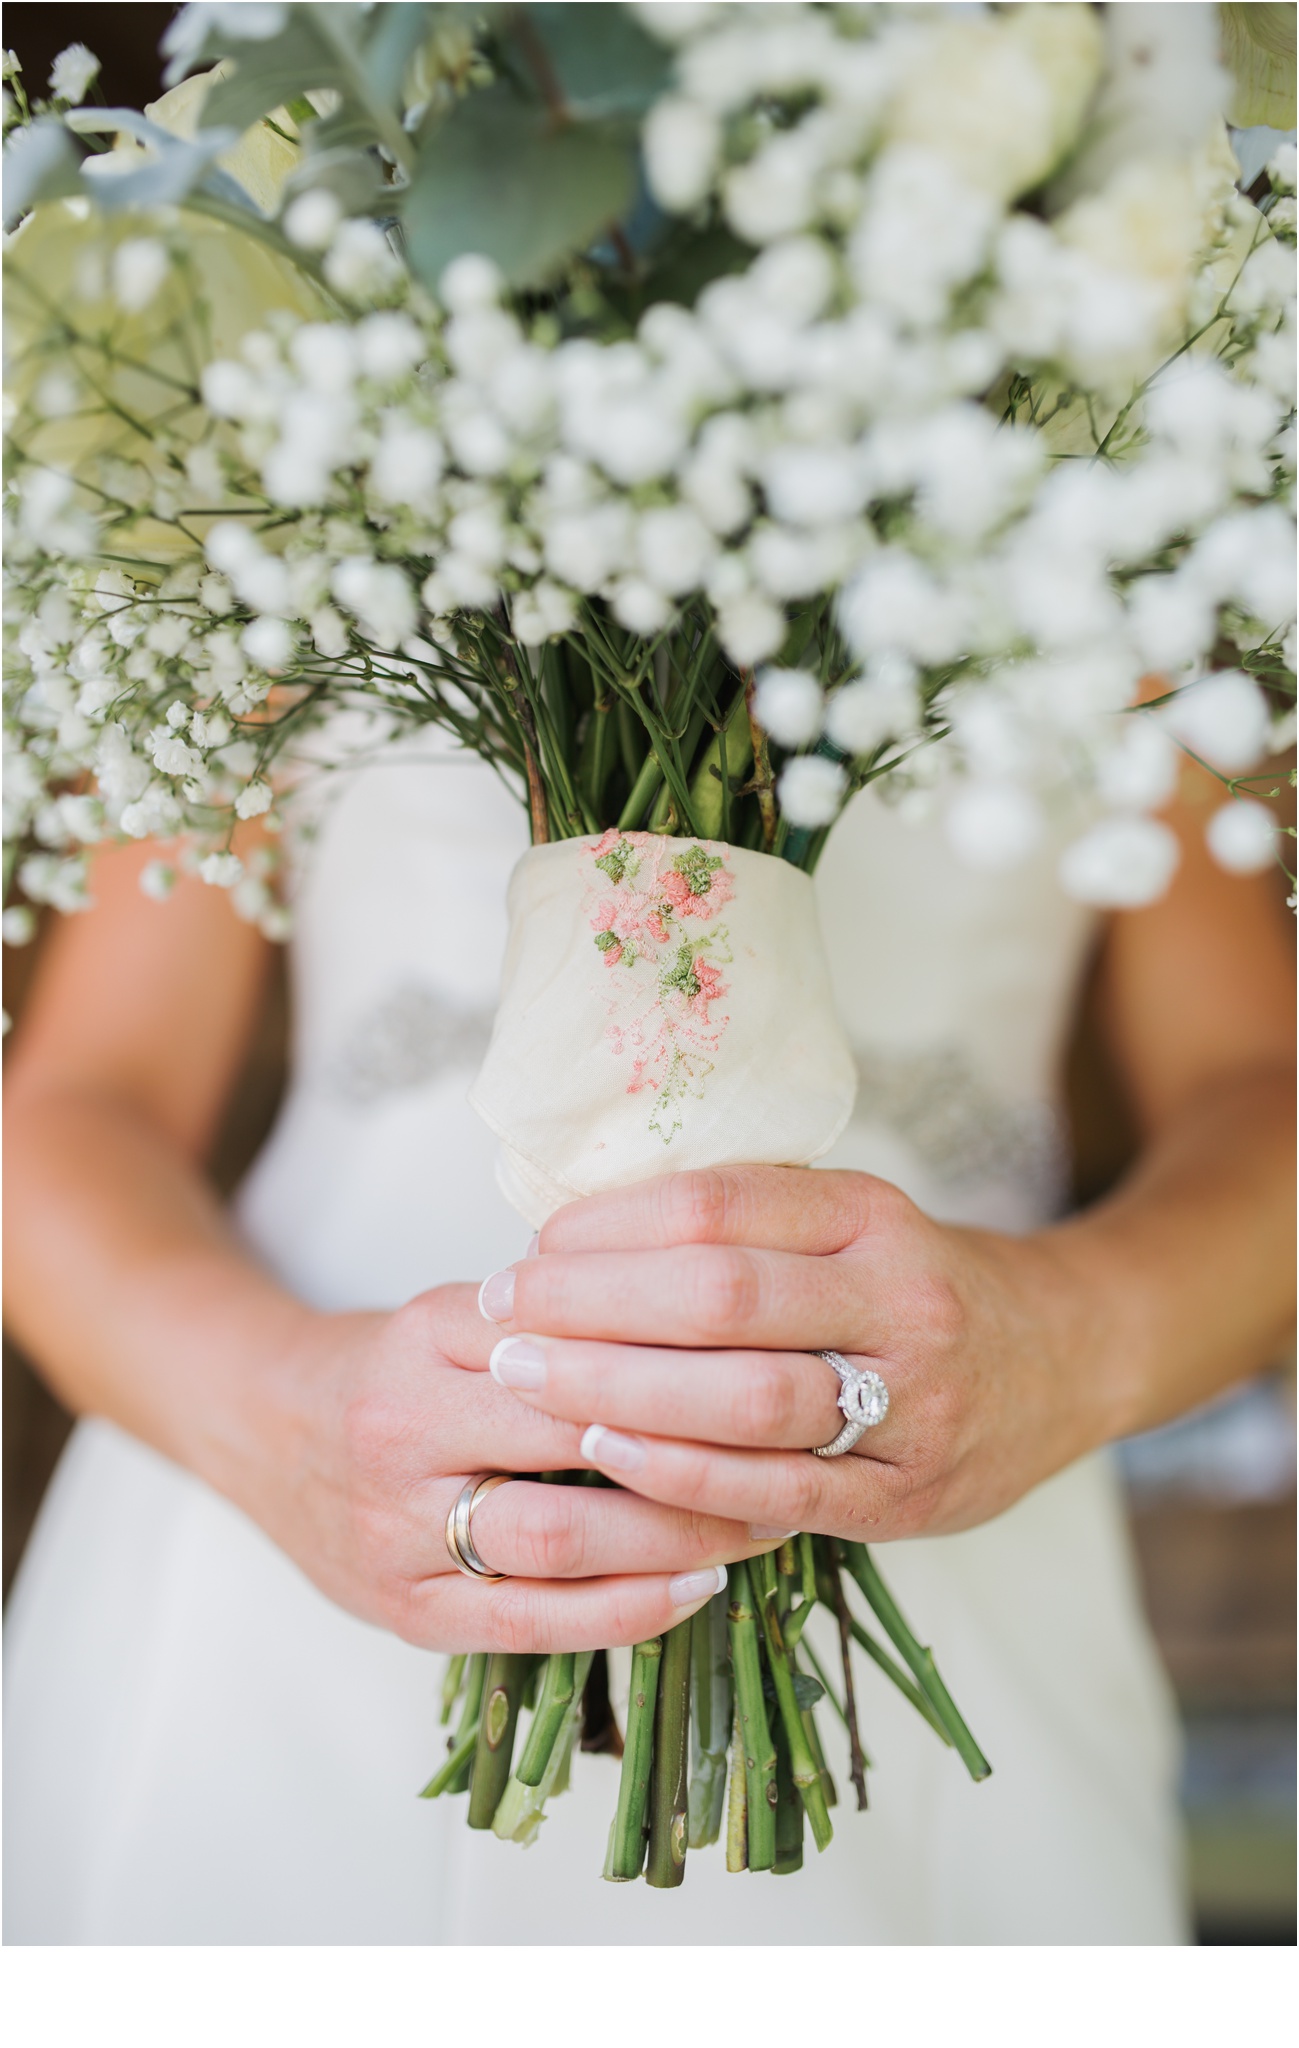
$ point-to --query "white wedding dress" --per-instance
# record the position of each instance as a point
(200, 1748)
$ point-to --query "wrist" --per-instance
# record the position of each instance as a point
(269, 1400)
(1103, 1324)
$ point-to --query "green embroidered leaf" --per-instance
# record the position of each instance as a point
(697, 869)
(621, 861)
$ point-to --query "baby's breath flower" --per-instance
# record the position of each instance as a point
(73, 73)
(811, 790)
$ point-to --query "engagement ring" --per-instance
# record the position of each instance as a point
(863, 1402)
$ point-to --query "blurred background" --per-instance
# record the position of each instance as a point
(1212, 1497)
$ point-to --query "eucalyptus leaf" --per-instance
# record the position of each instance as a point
(396, 33)
(175, 168)
(40, 162)
(352, 175)
(294, 62)
(499, 178)
(605, 64)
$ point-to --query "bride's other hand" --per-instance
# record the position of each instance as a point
(347, 1437)
(678, 1317)
(372, 1424)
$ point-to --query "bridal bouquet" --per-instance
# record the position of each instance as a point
(701, 413)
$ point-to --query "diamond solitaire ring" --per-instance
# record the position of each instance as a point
(863, 1401)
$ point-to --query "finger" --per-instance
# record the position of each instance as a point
(782, 1400)
(585, 1532)
(445, 1326)
(779, 1208)
(540, 1615)
(697, 1295)
(833, 1496)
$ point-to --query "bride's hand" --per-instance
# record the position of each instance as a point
(380, 1419)
(988, 1345)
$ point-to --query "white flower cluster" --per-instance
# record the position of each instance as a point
(914, 403)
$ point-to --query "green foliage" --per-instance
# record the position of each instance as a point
(499, 177)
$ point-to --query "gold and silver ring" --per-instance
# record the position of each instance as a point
(459, 1528)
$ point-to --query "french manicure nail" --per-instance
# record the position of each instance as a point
(496, 1296)
(758, 1531)
(601, 1446)
(518, 1362)
(534, 1245)
(690, 1587)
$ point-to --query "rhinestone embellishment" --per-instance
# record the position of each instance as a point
(864, 1398)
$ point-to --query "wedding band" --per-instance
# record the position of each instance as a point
(863, 1402)
(459, 1529)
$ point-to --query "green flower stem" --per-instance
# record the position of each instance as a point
(685, 750)
(899, 1677)
(627, 1836)
(642, 795)
(826, 1687)
(445, 1779)
(807, 1565)
(502, 1694)
(917, 1656)
(737, 1827)
(813, 1734)
(857, 1753)
(451, 1684)
(555, 1699)
(665, 1863)
(803, 1765)
(710, 1722)
(467, 1726)
(759, 1749)
(794, 1622)
(789, 1814)
(710, 791)
(522, 1808)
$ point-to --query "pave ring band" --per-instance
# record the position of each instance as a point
(459, 1528)
(863, 1401)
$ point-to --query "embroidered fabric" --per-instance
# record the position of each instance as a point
(638, 1034)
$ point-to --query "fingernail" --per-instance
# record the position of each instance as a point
(518, 1362)
(758, 1531)
(496, 1296)
(601, 1446)
(688, 1588)
(534, 1245)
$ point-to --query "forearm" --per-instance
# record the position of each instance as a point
(1185, 1273)
(127, 1286)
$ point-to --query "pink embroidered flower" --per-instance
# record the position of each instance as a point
(677, 891)
(656, 928)
(710, 987)
(606, 915)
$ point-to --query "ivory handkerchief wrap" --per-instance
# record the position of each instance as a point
(665, 1005)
